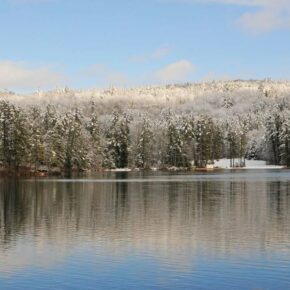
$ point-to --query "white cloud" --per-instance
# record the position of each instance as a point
(105, 75)
(18, 75)
(102, 75)
(180, 71)
(159, 53)
(267, 15)
(264, 20)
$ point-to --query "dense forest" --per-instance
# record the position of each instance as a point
(155, 127)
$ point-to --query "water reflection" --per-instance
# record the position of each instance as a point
(42, 222)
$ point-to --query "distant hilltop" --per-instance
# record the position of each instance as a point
(167, 95)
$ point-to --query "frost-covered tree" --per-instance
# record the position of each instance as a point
(14, 137)
(273, 126)
(94, 142)
(36, 138)
(75, 149)
(50, 118)
(175, 154)
(144, 145)
(55, 146)
(206, 142)
(116, 152)
(285, 141)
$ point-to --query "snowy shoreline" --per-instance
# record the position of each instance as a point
(222, 164)
(249, 164)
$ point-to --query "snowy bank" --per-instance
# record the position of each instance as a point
(119, 170)
(250, 164)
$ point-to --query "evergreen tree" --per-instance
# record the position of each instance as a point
(175, 148)
(273, 136)
(50, 118)
(55, 146)
(144, 145)
(94, 140)
(14, 137)
(75, 149)
(203, 132)
(116, 152)
(36, 140)
(285, 142)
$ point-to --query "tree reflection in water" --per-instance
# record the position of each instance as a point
(172, 219)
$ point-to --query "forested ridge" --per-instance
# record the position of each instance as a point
(160, 127)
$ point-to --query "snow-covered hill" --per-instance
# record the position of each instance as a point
(181, 97)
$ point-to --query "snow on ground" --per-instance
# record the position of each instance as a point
(250, 164)
(119, 170)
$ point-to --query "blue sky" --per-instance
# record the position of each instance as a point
(99, 43)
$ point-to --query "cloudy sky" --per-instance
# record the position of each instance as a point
(98, 43)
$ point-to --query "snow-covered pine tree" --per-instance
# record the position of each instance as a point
(55, 146)
(285, 141)
(175, 155)
(116, 152)
(94, 142)
(273, 135)
(75, 149)
(36, 140)
(14, 137)
(144, 145)
(203, 132)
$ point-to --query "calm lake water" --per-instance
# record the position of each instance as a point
(225, 230)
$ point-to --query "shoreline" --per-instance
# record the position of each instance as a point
(40, 174)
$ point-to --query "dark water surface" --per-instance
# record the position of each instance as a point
(226, 230)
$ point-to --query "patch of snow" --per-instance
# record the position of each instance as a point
(119, 170)
(250, 164)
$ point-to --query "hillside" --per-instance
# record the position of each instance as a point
(175, 96)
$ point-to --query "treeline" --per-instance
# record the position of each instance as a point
(81, 139)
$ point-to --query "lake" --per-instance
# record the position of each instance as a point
(219, 230)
